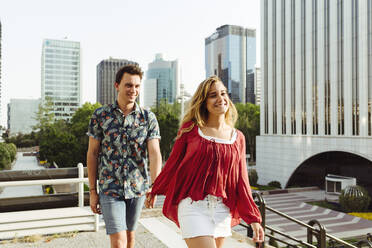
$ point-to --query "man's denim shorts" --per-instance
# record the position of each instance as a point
(120, 214)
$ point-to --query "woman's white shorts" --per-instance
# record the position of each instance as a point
(208, 217)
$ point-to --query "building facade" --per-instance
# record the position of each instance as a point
(257, 85)
(316, 94)
(22, 115)
(166, 74)
(0, 76)
(60, 76)
(106, 73)
(230, 53)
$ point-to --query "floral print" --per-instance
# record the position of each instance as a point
(122, 162)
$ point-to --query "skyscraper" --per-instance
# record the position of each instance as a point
(60, 76)
(0, 73)
(166, 74)
(316, 101)
(230, 53)
(106, 72)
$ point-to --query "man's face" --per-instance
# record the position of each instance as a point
(129, 88)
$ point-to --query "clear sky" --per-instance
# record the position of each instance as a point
(134, 30)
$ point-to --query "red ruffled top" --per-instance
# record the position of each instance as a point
(198, 167)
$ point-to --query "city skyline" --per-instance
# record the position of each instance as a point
(103, 31)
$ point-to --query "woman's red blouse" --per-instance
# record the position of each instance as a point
(198, 167)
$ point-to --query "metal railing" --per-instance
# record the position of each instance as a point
(80, 181)
(319, 233)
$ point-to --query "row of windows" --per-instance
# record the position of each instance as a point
(55, 72)
(291, 45)
(59, 93)
(65, 104)
(62, 51)
(64, 77)
(62, 67)
(54, 57)
(60, 62)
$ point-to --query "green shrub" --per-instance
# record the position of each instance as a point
(12, 149)
(275, 184)
(253, 177)
(272, 241)
(354, 199)
(5, 161)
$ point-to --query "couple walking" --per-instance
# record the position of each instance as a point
(205, 179)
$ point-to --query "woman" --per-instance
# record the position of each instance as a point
(205, 179)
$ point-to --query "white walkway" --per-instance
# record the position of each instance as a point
(23, 163)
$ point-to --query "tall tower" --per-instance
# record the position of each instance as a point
(60, 76)
(165, 74)
(230, 53)
(106, 73)
(0, 73)
(316, 94)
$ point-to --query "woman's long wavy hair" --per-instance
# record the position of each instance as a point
(197, 111)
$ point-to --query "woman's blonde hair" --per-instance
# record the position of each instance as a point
(197, 111)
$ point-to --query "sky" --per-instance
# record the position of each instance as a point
(133, 30)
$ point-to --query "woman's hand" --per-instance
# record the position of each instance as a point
(258, 232)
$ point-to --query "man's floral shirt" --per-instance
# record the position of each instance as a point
(122, 162)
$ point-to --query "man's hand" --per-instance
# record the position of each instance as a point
(150, 200)
(94, 202)
(258, 232)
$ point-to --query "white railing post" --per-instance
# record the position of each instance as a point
(81, 185)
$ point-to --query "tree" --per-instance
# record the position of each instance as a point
(58, 144)
(65, 142)
(79, 127)
(44, 116)
(168, 119)
(249, 123)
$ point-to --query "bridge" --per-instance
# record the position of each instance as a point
(68, 212)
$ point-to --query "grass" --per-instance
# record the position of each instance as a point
(325, 204)
(265, 187)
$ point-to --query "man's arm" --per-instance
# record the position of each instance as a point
(154, 158)
(155, 167)
(92, 164)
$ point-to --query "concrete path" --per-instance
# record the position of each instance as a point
(154, 231)
(23, 163)
(336, 223)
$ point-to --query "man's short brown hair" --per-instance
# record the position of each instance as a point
(131, 69)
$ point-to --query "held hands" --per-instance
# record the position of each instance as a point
(258, 232)
(150, 199)
(94, 202)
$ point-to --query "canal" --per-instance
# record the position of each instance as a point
(24, 163)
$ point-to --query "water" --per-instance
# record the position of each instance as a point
(23, 163)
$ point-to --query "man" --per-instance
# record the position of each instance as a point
(120, 137)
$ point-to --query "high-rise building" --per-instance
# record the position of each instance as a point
(230, 53)
(166, 74)
(22, 115)
(60, 76)
(106, 73)
(316, 101)
(149, 93)
(0, 74)
(257, 85)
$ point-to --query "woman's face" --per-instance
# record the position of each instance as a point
(217, 99)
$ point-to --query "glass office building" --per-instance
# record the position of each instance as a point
(166, 74)
(230, 53)
(60, 76)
